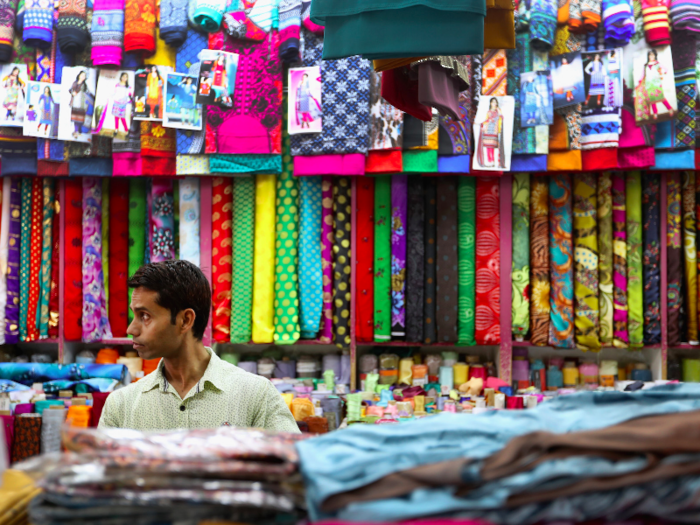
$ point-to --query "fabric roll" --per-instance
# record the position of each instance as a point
(618, 21)
(364, 274)
(27, 442)
(605, 258)
(327, 258)
(429, 240)
(105, 240)
(399, 220)
(561, 263)
(674, 257)
(206, 15)
(342, 214)
(24, 254)
(543, 23)
(382, 259)
(466, 209)
(95, 322)
(586, 260)
(173, 22)
(689, 244)
(310, 268)
(73, 282)
(620, 315)
(590, 15)
(7, 423)
(8, 12)
(189, 208)
(488, 256)
(38, 24)
(520, 307)
(71, 28)
(35, 245)
(4, 249)
(415, 269)
(635, 287)
(264, 260)
(243, 239)
(685, 14)
(287, 328)
(575, 21)
(539, 261)
(447, 265)
(651, 223)
(48, 206)
(656, 23)
(13, 263)
(222, 204)
(683, 53)
(107, 32)
(118, 221)
(162, 221)
(51, 422)
(54, 296)
(137, 230)
(140, 27)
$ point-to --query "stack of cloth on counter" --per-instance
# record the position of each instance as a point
(178, 477)
(591, 455)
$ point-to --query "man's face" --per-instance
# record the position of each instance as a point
(154, 334)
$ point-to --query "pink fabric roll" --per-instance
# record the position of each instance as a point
(24, 408)
(636, 158)
(126, 164)
(351, 164)
(327, 260)
(107, 32)
(7, 423)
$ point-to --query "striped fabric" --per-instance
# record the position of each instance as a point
(656, 23)
(685, 14)
(618, 21)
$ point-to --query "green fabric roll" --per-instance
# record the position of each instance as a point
(420, 161)
(24, 253)
(243, 245)
(466, 210)
(42, 313)
(635, 287)
(137, 229)
(520, 310)
(382, 259)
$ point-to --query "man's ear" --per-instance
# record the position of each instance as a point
(186, 320)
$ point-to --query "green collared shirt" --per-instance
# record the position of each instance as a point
(225, 395)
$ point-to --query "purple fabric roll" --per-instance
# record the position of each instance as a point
(326, 333)
(249, 366)
(12, 307)
(285, 369)
(24, 408)
(399, 217)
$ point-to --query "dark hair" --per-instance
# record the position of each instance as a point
(180, 285)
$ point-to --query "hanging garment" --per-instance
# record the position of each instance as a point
(189, 203)
(620, 334)
(605, 258)
(543, 23)
(651, 217)
(140, 27)
(137, 229)
(399, 219)
(243, 239)
(586, 262)
(618, 20)
(656, 22)
(327, 258)
(8, 12)
(47, 243)
(173, 22)
(561, 263)
(685, 14)
(107, 32)
(310, 268)
(222, 249)
(289, 28)
(447, 265)
(162, 221)
(342, 213)
(264, 260)
(415, 261)
(24, 254)
(683, 53)
(674, 256)
(382, 259)
(206, 15)
(635, 287)
(119, 257)
(466, 210)
(488, 254)
(38, 23)
(429, 239)
(539, 261)
(72, 31)
(520, 307)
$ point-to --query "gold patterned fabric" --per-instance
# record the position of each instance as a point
(342, 214)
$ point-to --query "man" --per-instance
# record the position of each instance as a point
(192, 387)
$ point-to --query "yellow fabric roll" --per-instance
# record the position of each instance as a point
(264, 259)
(16, 491)
(164, 55)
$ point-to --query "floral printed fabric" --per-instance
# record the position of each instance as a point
(652, 258)
(620, 337)
(189, 198)
(466, 209)
(561, 263)
(162, 220)
(399, 211)
(382, 259)
(521, 255)
(95, 320)
(539, 261)
(487, 329)
(605, 258)
(635, 288)
(674, 256)
(447, 267)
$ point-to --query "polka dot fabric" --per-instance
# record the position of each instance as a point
(342, 214)
(327, 259)
(447, 267)
(35, 258)
(24, 256)
(243, 228)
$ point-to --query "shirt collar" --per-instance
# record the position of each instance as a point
(213, 374)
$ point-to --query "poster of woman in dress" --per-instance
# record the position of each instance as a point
(77, 104)
(567, 79)
(536, 107)
(113, 103)
(305, 110)
(602, 78)
(13, 92)
(654, 85)
(217, 78)
(181, 108)
(43, 103)
(149, 84)
(493, 130)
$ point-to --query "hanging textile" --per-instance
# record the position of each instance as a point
(35, 244)
(364, 309)
(42, 316)
(430, 237)
(520, 61)
(24, 254)
(326, 334)
(494, 71)
(605, 258)
(162, 232)
(119, 258)
(38, 24)
(521, 255)
(54, 305)
(488, 255)
(382, 259)
(399, 211)
(95, 323)
(447, 266)
(561, 263)
(8, 11)
(310, 268)
(243, 240)
(289, 28)
(173, 22)
(590, 15)
(73, 294)
(586, 259)
(71, 28)
(137, 230)
(221, 266)
(656, 22)
(157, 149)
(684, 15)
(674, 256)
(287, 329)
(539, 261)
(620, 335)
(618, 21)
(342, 211)
(189, 198)
(575, 19)
(652, 258)
(543, 23)
(206, 15)
(466, 207)
(635, 287)
(107, 32)
(264, 260)
(140, 27)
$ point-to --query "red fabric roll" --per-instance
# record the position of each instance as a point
(118, 256)
(221, 267)
(488, 257)
(599, 159)
(54, 319)
(50, 168)
(384, 161)
(35, 257)
(73, 280)
(364, 291)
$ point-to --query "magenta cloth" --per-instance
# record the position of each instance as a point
(347, 164)
(107, 32)
(24, 408)
(126, 164)
(8, 426)
(633, 135)
(327, 259)
(636, 158)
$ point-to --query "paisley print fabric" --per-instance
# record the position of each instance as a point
(221, 256)
(488, 257)
(605, 258)
(651, 216)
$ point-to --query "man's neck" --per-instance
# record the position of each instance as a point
(187, 367)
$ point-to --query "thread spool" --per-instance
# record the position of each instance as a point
(461, 374)
(499, 401)
(133, 363)
(530, 401)
(388, 362)
(514, 403)
(570, 374)
(107, 356)
(477, 370)
(589, 373)
(691, 370)
(446, 379)
(249, 366)
(406, 371)
(521, 371)
(433, 362)
(388, 377)
(420, 375)
(555, 378)
(368, 364)
(608, 373)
